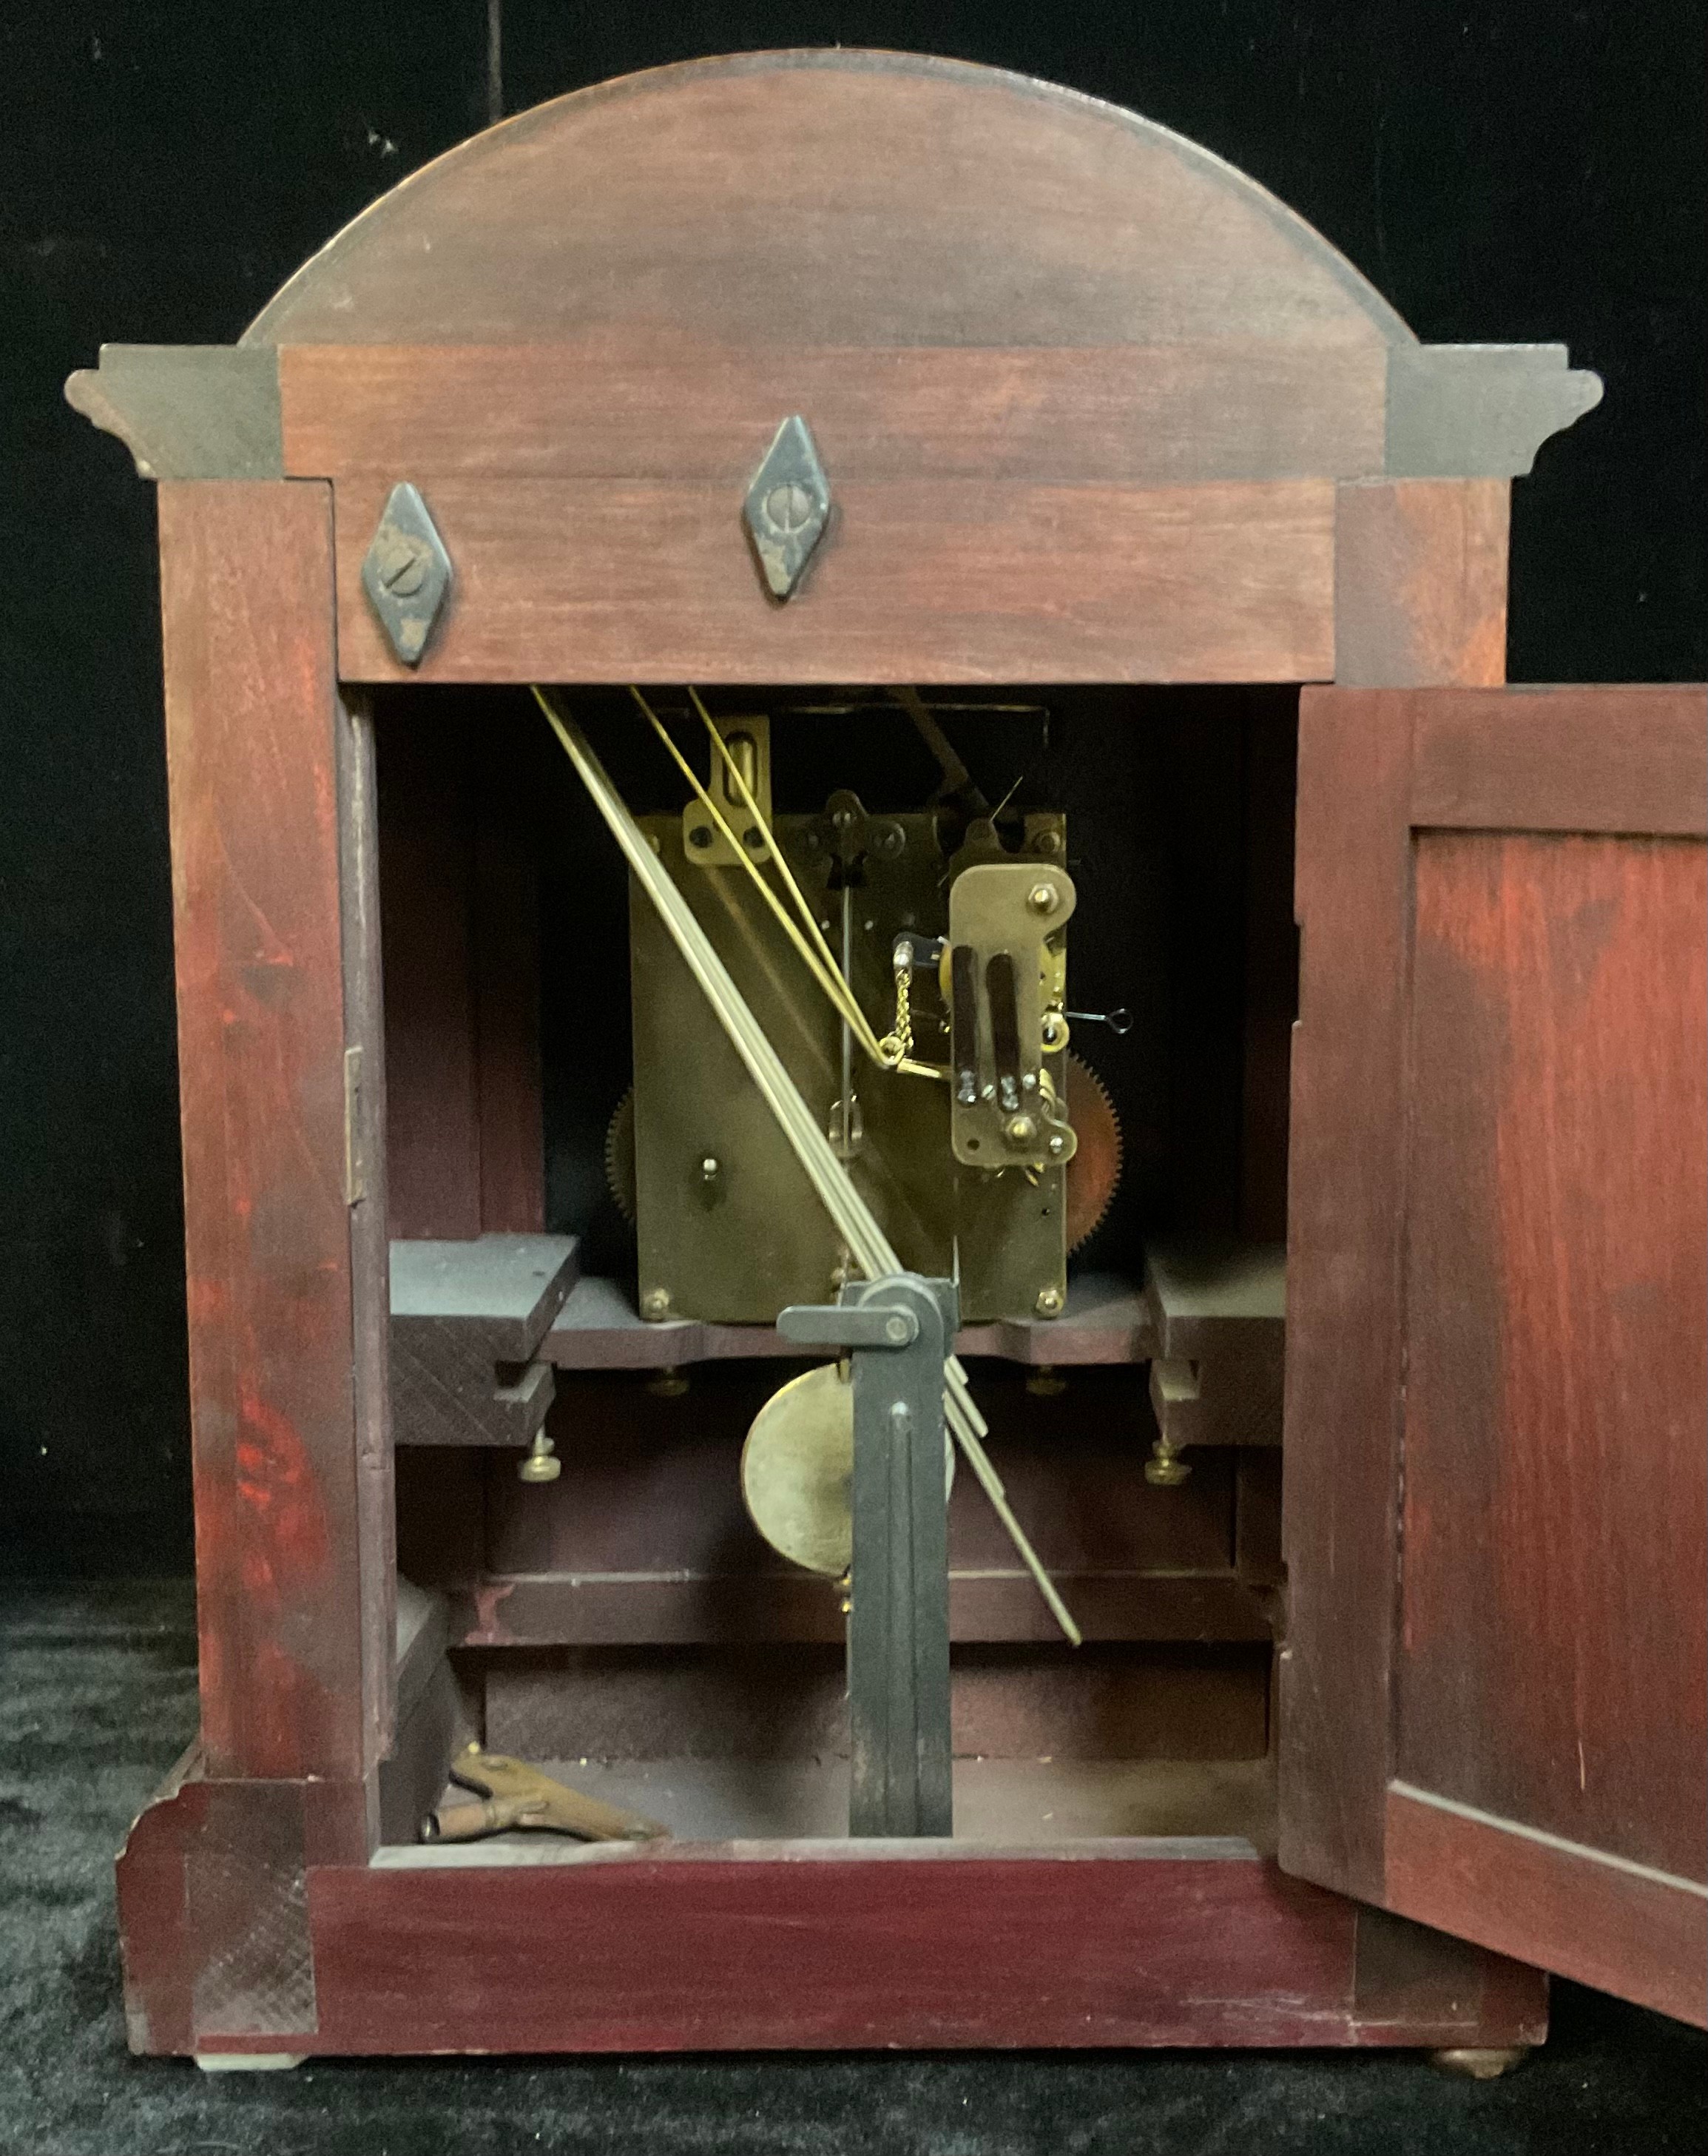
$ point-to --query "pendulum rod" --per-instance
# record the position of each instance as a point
(870, 1248)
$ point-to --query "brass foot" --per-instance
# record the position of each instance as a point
(1164, 1469)
(1478, 2062)
(541, 1462)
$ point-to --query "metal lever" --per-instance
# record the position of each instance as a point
(1119, 1020)
(900, 1329)
(848, 1325)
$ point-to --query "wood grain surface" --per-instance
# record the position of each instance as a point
(251, 722)
(809, 1946)
(829, 198)
(1552, 1666)
(1641, 1935)
(1499, 1077)
(656, 405)
(1420, 582)
(1563, 760)
(918, 580)
(1345, 1345)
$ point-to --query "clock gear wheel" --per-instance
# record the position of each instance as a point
(619, 1157)
(1094, 1173)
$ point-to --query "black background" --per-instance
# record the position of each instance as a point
(1503, 172)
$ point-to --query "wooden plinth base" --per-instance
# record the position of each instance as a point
(251, 1925)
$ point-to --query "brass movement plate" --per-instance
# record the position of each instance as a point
(728, 1227)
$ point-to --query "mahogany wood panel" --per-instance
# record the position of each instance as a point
(252, 716)
(918, 580)
(829, 198)
(1617, 1926)
(1553, 1666)
(660, 407)
(1344, 1341)
(1499, 1192)
(1420, 582)
(1557, 760)
(815, 1945)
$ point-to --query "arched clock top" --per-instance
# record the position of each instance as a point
(772, 217)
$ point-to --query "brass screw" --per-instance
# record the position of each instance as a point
(1019, 1129)
(788, 507)
(540, 1463)
(1048, 842)
(655, 1303)
(1049, 1302)
(1041, 898)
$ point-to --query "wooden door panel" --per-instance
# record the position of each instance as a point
(1497, 1508)
(1550, 1579)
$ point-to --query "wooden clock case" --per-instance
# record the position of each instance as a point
(1100, 419)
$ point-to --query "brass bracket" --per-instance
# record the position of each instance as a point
(749, 742)
(1006, 971)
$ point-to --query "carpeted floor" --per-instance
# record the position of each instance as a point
(99, 1695)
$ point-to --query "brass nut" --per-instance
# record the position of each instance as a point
(1042, 1382)
(1049, 1302)
(655, 1303)
(1166, 1471)
(1041, 898)
(1019, 1129)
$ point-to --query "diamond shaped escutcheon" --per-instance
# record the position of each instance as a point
(787, 506)
(407, 572)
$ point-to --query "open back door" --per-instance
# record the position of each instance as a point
(1493, 1687)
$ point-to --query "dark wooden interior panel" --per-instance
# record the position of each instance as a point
(432, 1143)
(788, 1701)
(652, 1485)
(1555, 1533)
(459, 924)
